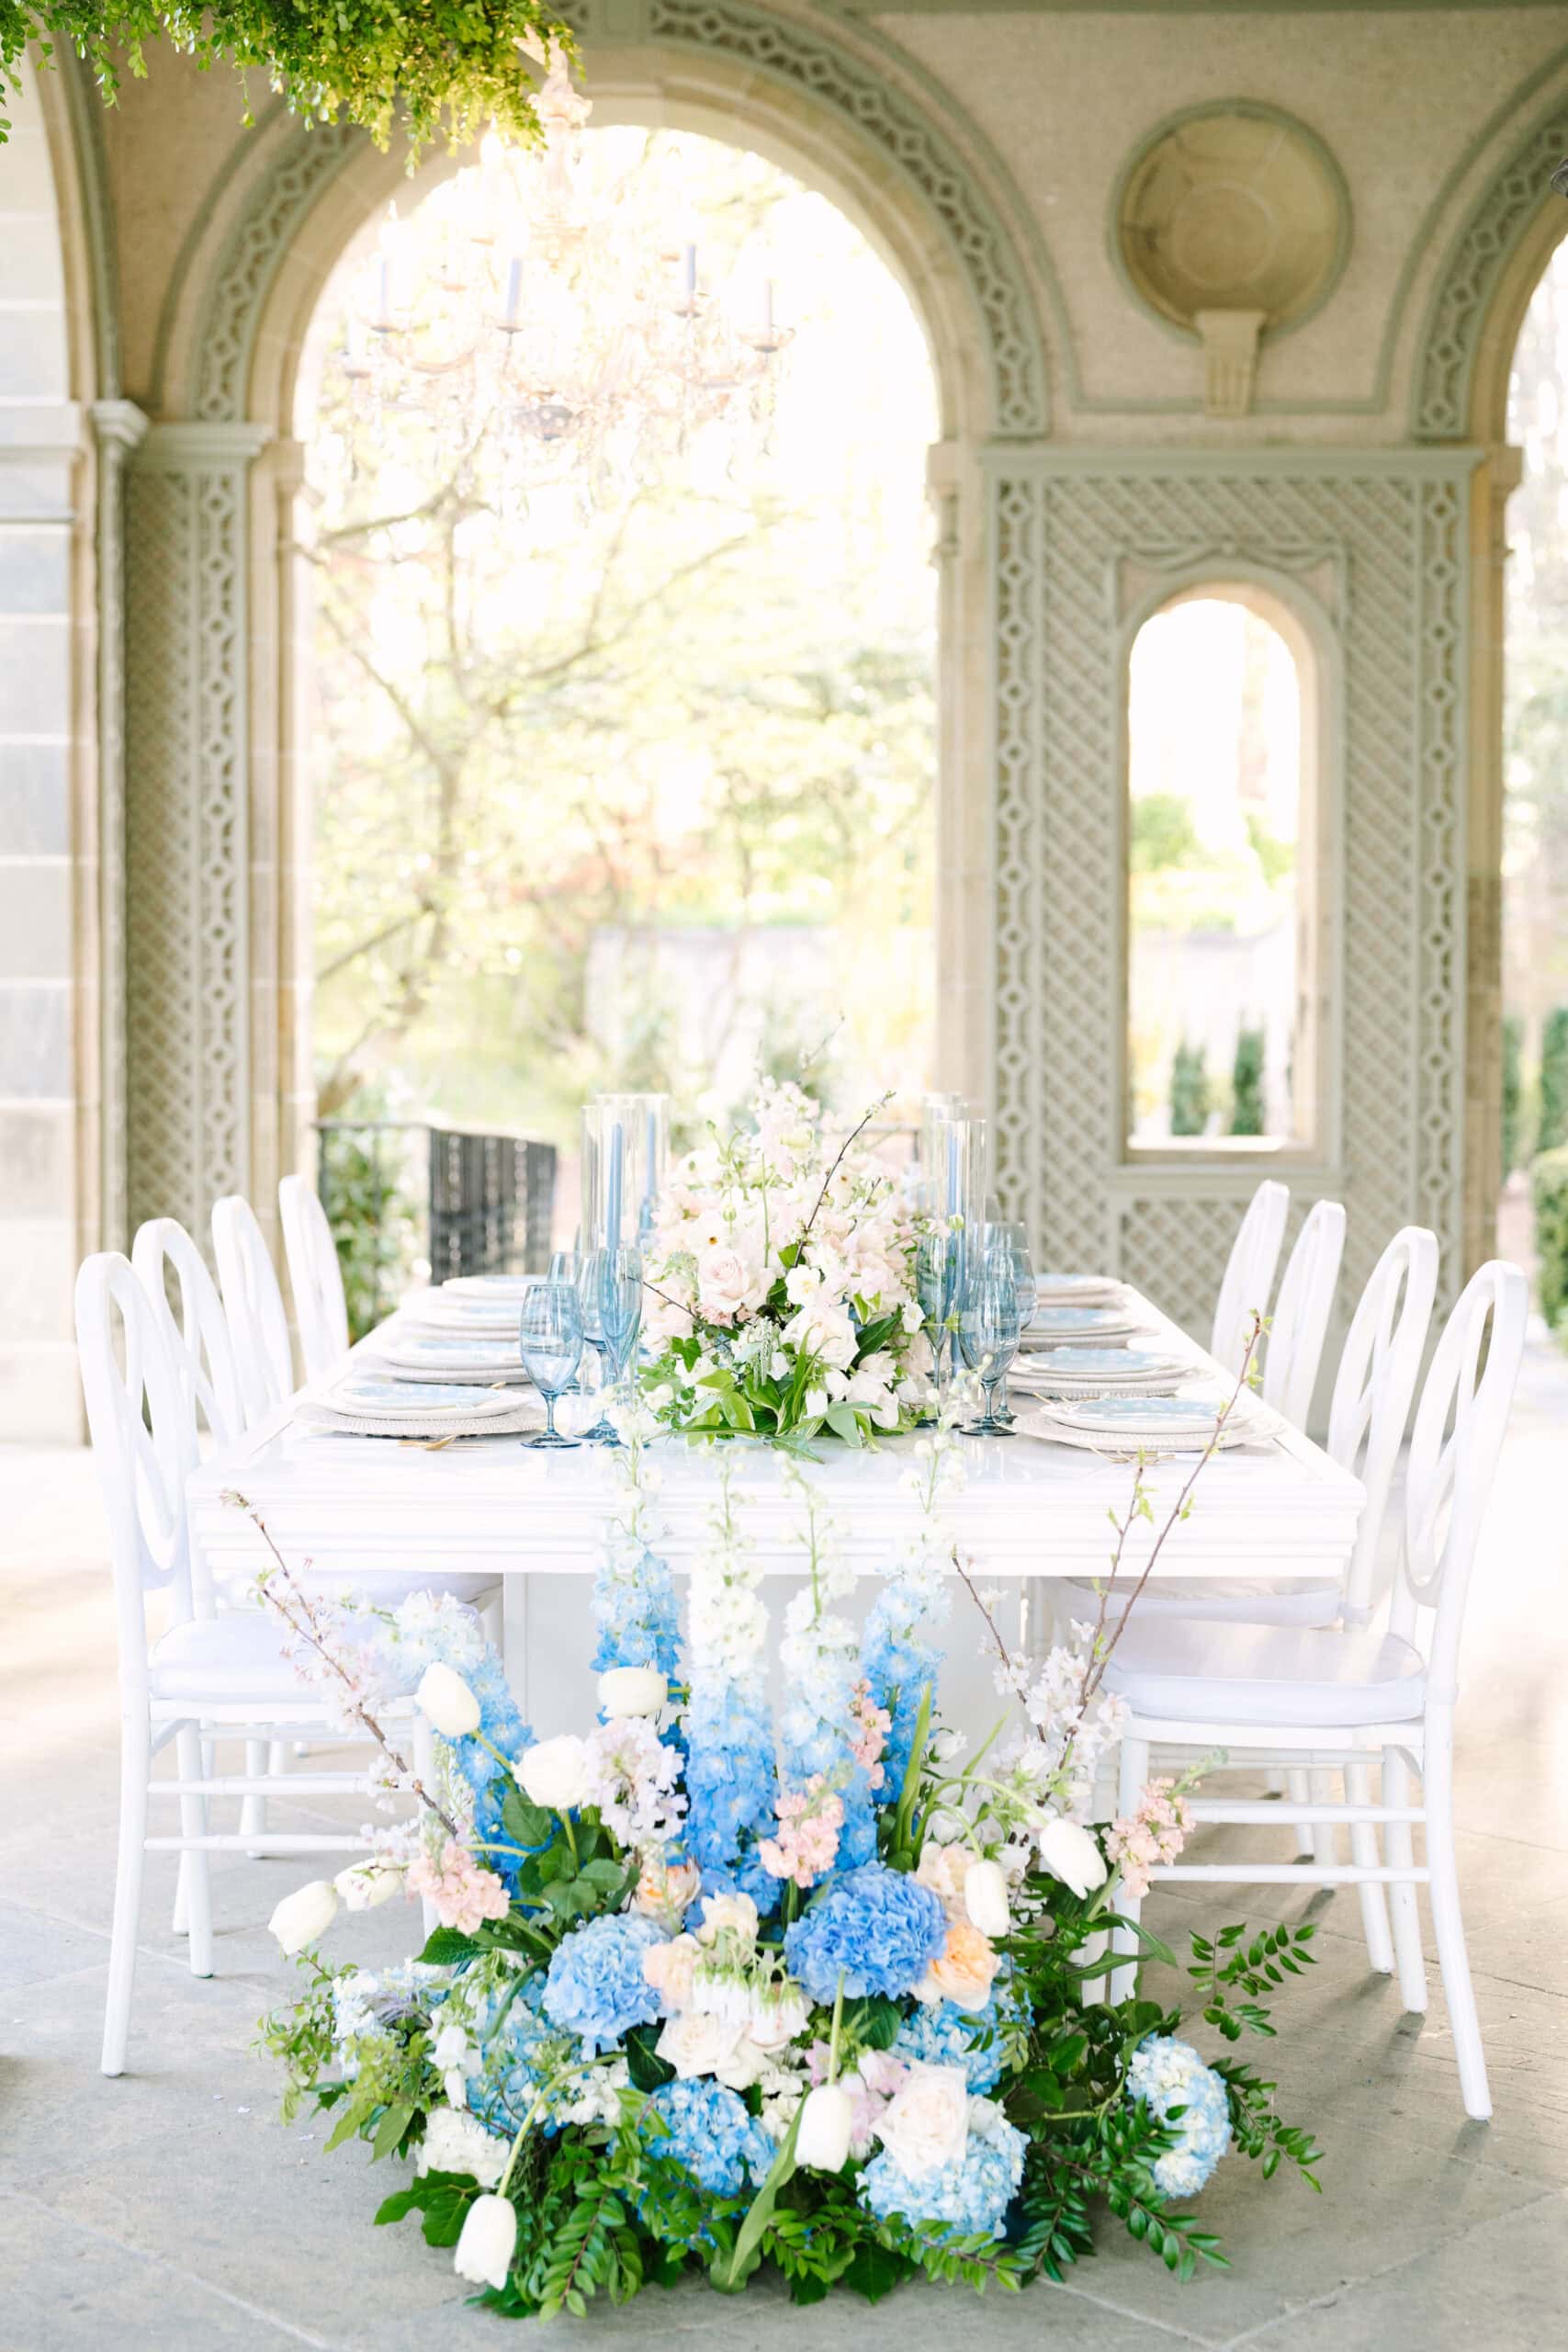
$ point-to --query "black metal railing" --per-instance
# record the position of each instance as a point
(396, 1191)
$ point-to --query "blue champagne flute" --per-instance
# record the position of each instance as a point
(549, 1340)
(935, 1266)
(588, 1287)
(620, 1307)
(566, 1266)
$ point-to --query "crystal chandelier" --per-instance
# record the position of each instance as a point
(531, 317)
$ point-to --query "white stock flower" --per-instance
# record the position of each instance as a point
(632, 1691)
(489, 2237)
(557, 1773)
(456, 2141)
(1069, 1853)
(304, 1917)
(447, 1700)
(926, 2123)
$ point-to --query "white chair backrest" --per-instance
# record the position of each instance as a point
(143, 1447)
(1460, 1426)
(1300, 1321)
(315, 1276)
(1250, 1273)
(197, 1334)
(1379, 1367)
(254, 1304)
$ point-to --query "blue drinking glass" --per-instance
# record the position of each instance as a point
(619, 1283)
(604, 1429)
(936, 1267)
(988, 1333)
(549, 1340)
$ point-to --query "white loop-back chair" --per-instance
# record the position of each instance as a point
(1300, 1321)
(315, 1277)
(1249, 1281)
(254, 1304)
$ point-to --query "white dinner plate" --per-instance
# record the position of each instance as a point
(1161, 1416)
(399, 1399)
(1105, 1364)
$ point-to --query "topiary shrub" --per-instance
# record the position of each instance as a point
(1246, 1083)
(1188, 1091)
(1549, 1188)
(1553, 1128)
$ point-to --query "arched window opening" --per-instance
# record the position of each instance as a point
(1535, 804)
(1223, 1052)
(628, 779)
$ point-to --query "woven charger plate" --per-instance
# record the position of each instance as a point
(1123, 1445)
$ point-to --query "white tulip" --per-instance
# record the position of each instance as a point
(632, 1691)
(557, 1773)
(365, 1885)
(446, 1699)
(304, 1917)
(1070, 1854)
(489, 2235)
(827, 2125)
(985, 1898)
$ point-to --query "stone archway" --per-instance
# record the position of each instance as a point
(222, 1088)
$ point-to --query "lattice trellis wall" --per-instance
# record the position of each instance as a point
(1388, 531)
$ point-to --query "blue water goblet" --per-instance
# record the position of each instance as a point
(549, 1340)
(988, 1333)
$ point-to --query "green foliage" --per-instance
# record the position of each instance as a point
(372, 1221)
(1188, 1091)
(1161, 833)
(451, 64)
(1553, 1128)
(1232, 1965)
(1513, 1091)
(1276, 859)
(1246, 1083)
(1549, 1189)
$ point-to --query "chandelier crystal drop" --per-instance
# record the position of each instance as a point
(538, 321)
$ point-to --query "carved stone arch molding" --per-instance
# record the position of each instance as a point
(221, 1078)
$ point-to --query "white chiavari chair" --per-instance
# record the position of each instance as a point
(1351, 1698)
(204, 1676)
(315, 1277)
(254, 1304)
(1249, 1281)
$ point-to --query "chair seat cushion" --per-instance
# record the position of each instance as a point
(1266, 1674)
(239, 1654)
(1289, 1601)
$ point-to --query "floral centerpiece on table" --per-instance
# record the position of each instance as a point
(712, 1991)
(780, 1288)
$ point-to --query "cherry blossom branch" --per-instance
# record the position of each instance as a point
(305, 1628)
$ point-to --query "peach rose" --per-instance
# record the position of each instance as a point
(963, 1972)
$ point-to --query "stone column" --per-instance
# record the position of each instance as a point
(188, 819)
(119, 427)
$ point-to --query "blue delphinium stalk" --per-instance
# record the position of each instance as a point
(1167, 2073)
(713, 2133)
(823, 1672)
(634, 1596)
(430, 1629)
(876, 1929)
(730, 1781)
(900, 1658)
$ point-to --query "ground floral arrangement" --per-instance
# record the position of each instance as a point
(712, 1992)
(779, 1285)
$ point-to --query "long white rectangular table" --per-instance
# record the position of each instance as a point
(367, 1508)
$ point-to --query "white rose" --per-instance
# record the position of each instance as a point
(1070, 1854)
(365, 1884)
(827, 2125)
(456, 2141)
(304, 1917)
(985, 1898)
(557, 1773)
(727, 1285)
(666, 1890)
(694, 2045)
(489, 2236)
(632, 1691)
(925, 2125)
(446, 1699)
(736, 1912)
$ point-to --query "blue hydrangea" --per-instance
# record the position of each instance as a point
(594, 1985)
(1167, 2073)
(637, 1615)
(882, 1928)
(945, 2035)
(900, 1664)
(713, 2133)
(513, 2036)
(971, 2196)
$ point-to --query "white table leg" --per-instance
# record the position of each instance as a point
(515, 1635)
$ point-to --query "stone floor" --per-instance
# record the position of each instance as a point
(171, 2210)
